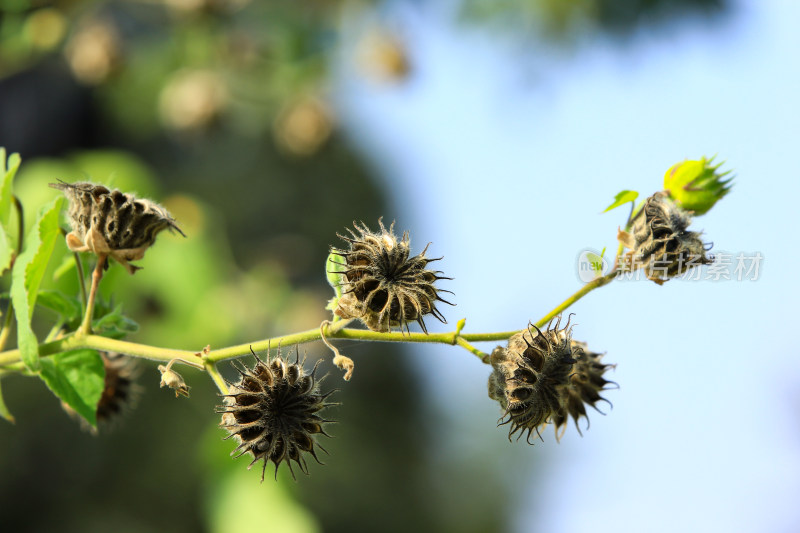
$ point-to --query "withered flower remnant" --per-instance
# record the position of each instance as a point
(381, 284)
(544, 377)
(660, 243)
(113, 223)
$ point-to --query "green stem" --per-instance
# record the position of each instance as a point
(81, 279)
(211, 368)
(96, 342)
(470, 348)
(331, 331)
(97, 275)
(6, 331)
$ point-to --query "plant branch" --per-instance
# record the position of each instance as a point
(6, 331)
(81, 279)
(217, 378)
(97, 275)
(96, 342)
(210, 358)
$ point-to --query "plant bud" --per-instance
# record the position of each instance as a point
(696, 185)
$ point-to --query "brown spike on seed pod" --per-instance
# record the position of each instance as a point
(112, 222)
(544, 377)
(273, 413)
(382, 285)
(660, 243)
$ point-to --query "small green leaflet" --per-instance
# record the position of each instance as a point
(69, 309)
(335, 275)
(334, 272)
(27, 275)
(114, 324)
(622, 197)
(4, 412)
(596, 261)
(77, 377)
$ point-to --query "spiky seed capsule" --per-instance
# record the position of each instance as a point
(113, 223)
(544, 377)
(119, 394)
(273, 413)
(381, 284)
(660, 243)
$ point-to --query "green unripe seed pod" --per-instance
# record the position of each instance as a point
(696, 185)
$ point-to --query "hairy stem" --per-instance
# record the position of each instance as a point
(217, 378)
(97, 275)
(210, 358)
(81, 279)
(6, 331)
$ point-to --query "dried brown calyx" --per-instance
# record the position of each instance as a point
(660, 243)
(113, 223)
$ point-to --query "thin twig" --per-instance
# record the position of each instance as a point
(97, 275)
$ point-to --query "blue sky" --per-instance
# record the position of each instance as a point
(504, 153)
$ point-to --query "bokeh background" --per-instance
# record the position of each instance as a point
(498, 130)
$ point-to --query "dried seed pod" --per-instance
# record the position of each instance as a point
(113, 223)
(381, 284)
(660, 243)
(544, 377)
(119, 393)
(273, 413)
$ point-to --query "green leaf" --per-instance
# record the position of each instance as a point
(622, 197)
(334, 271)
(114, 325)
(6, 249)
(77, 377)
(27, 275)
(8, 170)
(595, 262)
(4, 412)
(68, 308)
